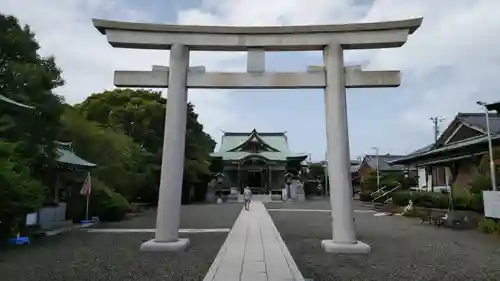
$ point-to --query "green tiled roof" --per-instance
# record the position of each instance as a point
(276, 141)
(67, 156)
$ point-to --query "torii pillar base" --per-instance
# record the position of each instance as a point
(359, 247)
(156, 246)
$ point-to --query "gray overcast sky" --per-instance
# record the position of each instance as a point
(449, 63)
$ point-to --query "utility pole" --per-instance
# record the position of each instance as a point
(436, 121)
(490, 147)
(378, 168)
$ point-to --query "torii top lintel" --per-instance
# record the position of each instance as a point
(271, 38)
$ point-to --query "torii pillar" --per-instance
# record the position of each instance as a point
(333, 77)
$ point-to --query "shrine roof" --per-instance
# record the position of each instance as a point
(275, 142)
(65, 155)
(494, 106)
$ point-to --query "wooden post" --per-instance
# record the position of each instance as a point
(239, 176)
(270, 179)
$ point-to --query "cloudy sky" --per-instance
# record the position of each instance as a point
(452, 61)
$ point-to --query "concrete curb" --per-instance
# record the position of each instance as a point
(65, 229)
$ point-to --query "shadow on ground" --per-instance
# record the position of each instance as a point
(402, 249)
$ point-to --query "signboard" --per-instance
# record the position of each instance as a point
(491, 201)
(31, 219)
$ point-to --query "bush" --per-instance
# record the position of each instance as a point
(476, 203)
(436, 200)
(401, 198)
(461, 201)
(20, 194)
(479, 183)
(421, 198)
(365, 196)
(104, 203)
(488, 226)
(426, 199)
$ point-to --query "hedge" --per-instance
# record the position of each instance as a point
(461, 201)
(104, 203)
(365, 196)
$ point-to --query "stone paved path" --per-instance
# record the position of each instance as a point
(254, 251)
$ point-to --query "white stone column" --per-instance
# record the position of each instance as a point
(337, 137)
(172, 167)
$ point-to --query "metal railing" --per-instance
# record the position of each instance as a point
(378, 197)
(377, 191)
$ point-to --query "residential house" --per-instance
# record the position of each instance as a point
(455, 156)
(369, 165)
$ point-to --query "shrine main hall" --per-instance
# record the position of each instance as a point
(261, 161)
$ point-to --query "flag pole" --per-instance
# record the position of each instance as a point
(88, 198)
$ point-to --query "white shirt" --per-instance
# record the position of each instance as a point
(247, 194)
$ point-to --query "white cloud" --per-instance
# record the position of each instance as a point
(458, 38)
(457, 43)
(64, 29)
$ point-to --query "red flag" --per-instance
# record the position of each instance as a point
(85, 191)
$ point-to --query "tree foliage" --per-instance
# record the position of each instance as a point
(316, 170)
(140, 114)
(28, 78)
(19, 192)
(113, 152)
(389, 179)
(26, 136)
(121, 131)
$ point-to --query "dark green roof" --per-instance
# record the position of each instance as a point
(276, 144)
(440, 150)
(13, 102)
(70, 158)
(65, 155)
(456, 147)
(494, 106)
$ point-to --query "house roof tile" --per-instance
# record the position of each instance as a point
(384, 162)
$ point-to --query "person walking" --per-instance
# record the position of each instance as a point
(247, 197)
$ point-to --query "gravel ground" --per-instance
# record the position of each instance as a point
(83, 256)
(192, 216)
(402, 249)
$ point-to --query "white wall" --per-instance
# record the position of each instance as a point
(421, 177)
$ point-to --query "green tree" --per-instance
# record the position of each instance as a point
(121, 163)
(141, 115)
(19, 192)
(316, 170)
(28, 78)
(27, 136)
(484, 163)
(389, 179)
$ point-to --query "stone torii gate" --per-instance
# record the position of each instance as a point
(333, 77)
